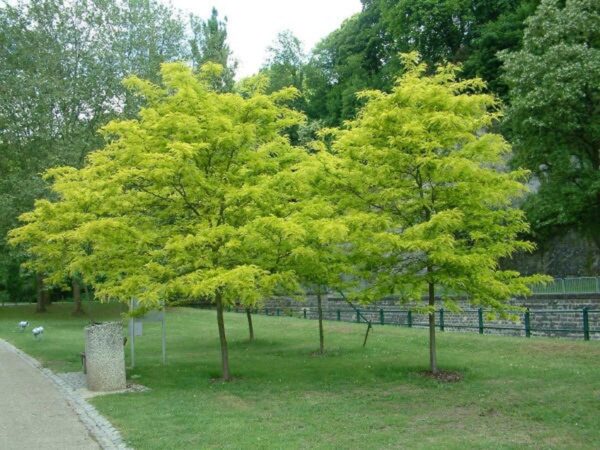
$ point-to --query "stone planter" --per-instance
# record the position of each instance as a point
(104, 357)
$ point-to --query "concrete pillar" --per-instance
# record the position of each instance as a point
(104, 357)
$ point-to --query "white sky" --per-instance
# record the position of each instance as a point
(252, 25)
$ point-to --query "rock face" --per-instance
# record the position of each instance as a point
(105, 357)
(565, 255)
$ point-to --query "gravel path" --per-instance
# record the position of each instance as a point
(39, 410)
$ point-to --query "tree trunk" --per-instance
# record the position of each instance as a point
(320, 312)
(222, 338)
(46, 296)
(86, 291)
(39, 287)
(432, 354)
(78, 311)
(250, 327)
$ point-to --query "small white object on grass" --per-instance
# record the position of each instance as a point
(37, 332)
(23, 324)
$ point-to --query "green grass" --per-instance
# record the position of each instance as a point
(516, 392)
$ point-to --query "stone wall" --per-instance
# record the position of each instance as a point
(548, 316)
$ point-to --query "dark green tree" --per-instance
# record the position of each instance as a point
(285, 62)
(363, 52)
(284, 68)
(501, 34)
(61, 66)
(441, 30)
(350, 59)
(209, 44)
(554, 117)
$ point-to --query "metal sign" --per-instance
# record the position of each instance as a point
(136, 328)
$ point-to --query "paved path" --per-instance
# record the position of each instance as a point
(34, 414)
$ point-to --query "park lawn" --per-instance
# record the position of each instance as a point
(516, 392)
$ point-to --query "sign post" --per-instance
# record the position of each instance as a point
(136, 328)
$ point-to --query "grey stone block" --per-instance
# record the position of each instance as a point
(105, 358)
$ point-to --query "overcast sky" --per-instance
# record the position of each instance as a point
(253, 24)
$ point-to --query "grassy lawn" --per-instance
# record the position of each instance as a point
(516, 392)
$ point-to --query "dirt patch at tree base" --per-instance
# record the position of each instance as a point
(443, 376)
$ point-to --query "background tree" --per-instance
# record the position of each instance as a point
(503, 33)
(435, 210)
(285, 62)
(363, 52)
(209, 44)
(554, 117)
(284, 68)
(348, 60)
(61, 65)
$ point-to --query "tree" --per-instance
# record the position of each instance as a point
(285, 62)
(363, 52)
(209, 44)
(321, 262)
(441, 30)
(319, 255)
(429, 206)
(284, 68)
(505, 33)
(554, 116)
(61, 65)
(176, 206)
(350, 59)
(310, 244)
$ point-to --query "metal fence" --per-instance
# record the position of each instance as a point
(580, 285)
(576, 323)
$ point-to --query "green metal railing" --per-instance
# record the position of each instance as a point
(558, 286)
(583, 322)
(562, 286)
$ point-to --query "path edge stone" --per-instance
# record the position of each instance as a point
(105, 434)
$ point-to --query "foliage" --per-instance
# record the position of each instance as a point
(554, 117)
(363, 52)
(347, 61)
(61, 65)
(285, 62)
(505, 33)
(440, 30)
(285, 68)
(209, 44)
(429, 204)
(164, 209)
(320, 258)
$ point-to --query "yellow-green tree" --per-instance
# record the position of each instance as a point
(311, 243)
(171, 208)
(425, 186)
(41, 237)
(320, 258)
